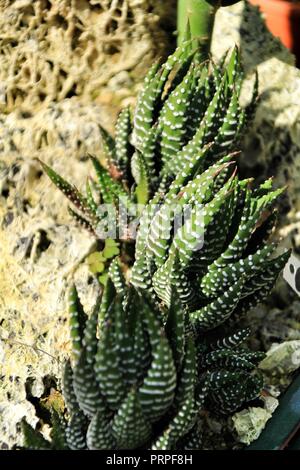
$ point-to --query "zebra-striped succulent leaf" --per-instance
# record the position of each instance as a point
(77, 321)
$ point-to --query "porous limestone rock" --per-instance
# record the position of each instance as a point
(282, 358)
(249, 423)
(38, 256)
(55, 49)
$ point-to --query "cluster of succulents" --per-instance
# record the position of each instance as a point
(161, 345)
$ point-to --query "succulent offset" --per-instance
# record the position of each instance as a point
(162, 346)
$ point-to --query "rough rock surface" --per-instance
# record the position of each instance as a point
(54, 49)
(54, 92)
(249, 423)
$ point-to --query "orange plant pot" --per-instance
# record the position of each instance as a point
(283, 20)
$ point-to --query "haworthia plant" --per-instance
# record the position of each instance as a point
(162, 346)
(187, 114)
